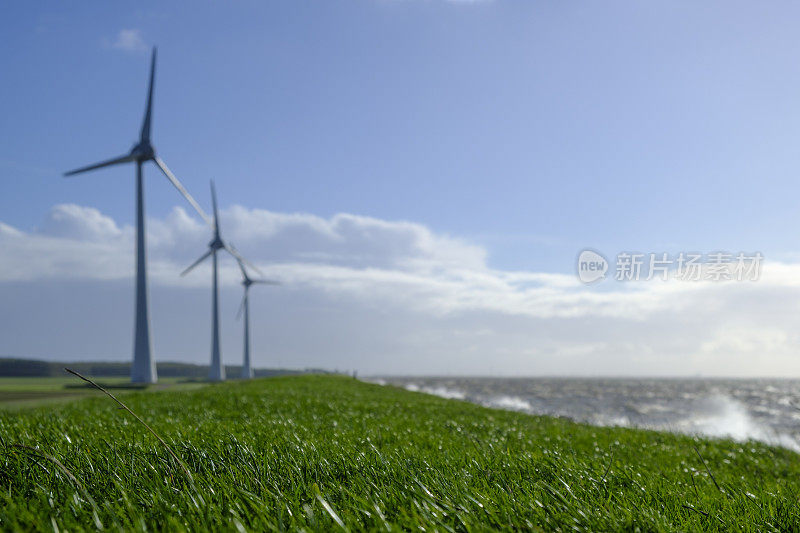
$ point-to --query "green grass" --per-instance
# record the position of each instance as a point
(314, 452)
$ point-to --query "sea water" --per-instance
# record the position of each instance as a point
(767, 410)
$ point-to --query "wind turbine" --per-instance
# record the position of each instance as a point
(143, 369)
(247, 282)
(217, 371)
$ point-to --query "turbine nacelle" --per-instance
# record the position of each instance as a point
(217, 243)
(143, 151)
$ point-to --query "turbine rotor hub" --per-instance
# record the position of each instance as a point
(143, 151)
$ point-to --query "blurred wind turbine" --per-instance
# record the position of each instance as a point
(217, 371)
(144, 368)
(247, 282)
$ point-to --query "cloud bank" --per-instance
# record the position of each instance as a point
(415, 301)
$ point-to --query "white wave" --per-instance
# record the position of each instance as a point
(441, 391)
(512, 403)
(725, 417)
(711, 413)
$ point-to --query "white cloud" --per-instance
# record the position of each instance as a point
(413, 300)
(72, 221)
(398, 262)
(346, 239)
(129, 40)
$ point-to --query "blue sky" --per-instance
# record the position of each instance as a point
(528, 129)
(537, 128)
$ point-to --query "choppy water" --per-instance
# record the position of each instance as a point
(766, 410)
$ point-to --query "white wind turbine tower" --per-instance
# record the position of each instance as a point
(143, 369)
(217, 371)
(247, 282)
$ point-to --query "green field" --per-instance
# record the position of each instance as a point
(328, 452)
(32, 391)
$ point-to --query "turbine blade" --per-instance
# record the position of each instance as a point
(145, 136)
(241, 306)
(205, 255)
(231, 250)
(115, 161)
(214, 203)
(241, 267)
(267, 281)
(171, 177)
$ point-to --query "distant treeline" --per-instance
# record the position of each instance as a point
(10, 367)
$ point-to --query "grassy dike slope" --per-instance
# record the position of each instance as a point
(324, 452)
